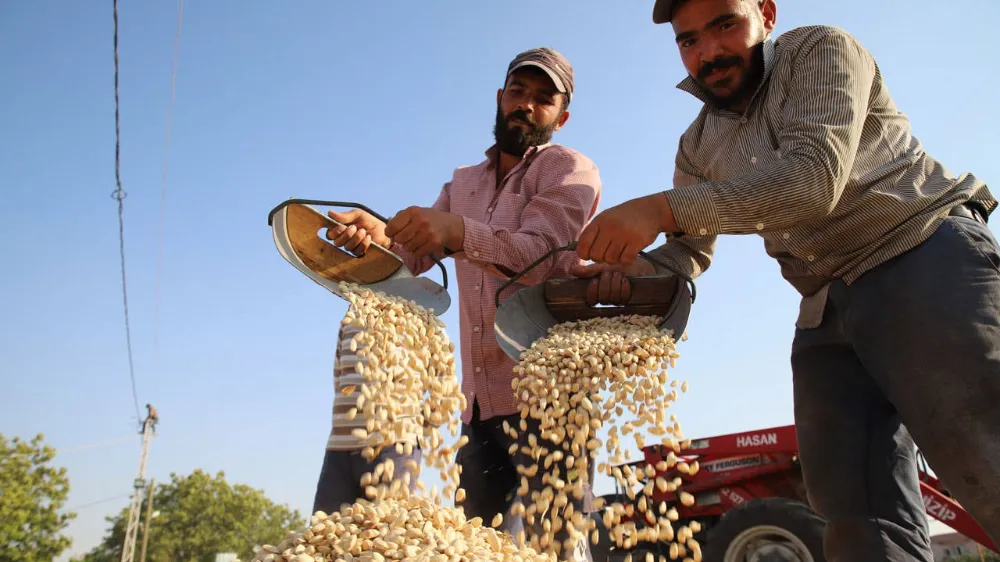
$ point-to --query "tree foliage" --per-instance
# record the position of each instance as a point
(987, 557)
(32, 493)
(198, 516)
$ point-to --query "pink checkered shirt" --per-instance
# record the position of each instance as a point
(543, 203)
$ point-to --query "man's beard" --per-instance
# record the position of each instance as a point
(748, 77)
(512, 139)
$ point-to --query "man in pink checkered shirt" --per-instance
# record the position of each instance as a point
(494, 218)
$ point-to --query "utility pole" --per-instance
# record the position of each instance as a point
(149, 516)
(132, 527)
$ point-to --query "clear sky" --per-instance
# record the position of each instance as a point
(368, 101)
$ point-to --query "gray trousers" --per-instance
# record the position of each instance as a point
(909, 353)
(340, 477)
(489, 477)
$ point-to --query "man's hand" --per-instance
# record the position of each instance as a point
(610, 284)
(360, 230)
(423, 231)
(618, 234)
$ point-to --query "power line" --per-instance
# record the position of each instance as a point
(98, 502)
(120, 195)
(97, 444)
(163, 187)
(60, 451)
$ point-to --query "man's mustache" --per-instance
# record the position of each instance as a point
(522, 116)
(720, 63)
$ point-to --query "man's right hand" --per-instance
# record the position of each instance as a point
(359, 231)
(610, 281)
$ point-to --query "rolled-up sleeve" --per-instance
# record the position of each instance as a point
(553, 218)
(689, 254)
(823, 117)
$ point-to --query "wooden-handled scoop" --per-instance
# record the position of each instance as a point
(526, 315)
(566, 299)
(298, 228)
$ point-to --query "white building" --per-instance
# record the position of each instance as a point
(947, 546)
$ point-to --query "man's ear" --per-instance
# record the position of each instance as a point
(499, 95)
(769, 13)
(562, 119)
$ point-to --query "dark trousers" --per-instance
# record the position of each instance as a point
(490, 479)
(340, 477)
(910, 353)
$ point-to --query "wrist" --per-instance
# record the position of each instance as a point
(456, 233)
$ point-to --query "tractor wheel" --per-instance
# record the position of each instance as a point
(767, 530)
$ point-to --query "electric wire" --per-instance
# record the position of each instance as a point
(119, 194)
(122, 439)
(163, 187)
(98, 502)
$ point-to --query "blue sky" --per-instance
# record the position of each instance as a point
(375, 102)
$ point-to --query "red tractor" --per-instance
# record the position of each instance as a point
(751, 503)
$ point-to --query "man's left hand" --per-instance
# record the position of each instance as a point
(424, 231)
(618, 234)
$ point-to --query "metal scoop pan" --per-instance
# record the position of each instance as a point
(297, 229)
(527, 315)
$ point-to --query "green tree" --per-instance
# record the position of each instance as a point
(31, 494)
(198, 516)
(987, 557)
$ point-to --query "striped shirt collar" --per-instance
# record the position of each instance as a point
(691, 86)
(493, 153)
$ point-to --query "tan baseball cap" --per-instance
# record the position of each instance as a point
(555, 65)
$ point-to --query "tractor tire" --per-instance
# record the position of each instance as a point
(767, 530)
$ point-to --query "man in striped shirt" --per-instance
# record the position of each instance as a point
(494, 219)
(800, 142)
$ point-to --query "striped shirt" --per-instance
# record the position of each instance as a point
(346, 378)
(543, 203)
(822, 166)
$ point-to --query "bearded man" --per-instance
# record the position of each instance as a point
(494, 219)
(898, 338)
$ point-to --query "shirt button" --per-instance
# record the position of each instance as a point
(479, 369)
(465, 260)
(476, 328)
(753, 159)
(743, 119)
(703, 232)
(786, 236)
(760, 226)
(810, 257)
(475, 254)
(489, 209)
(477, 287)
